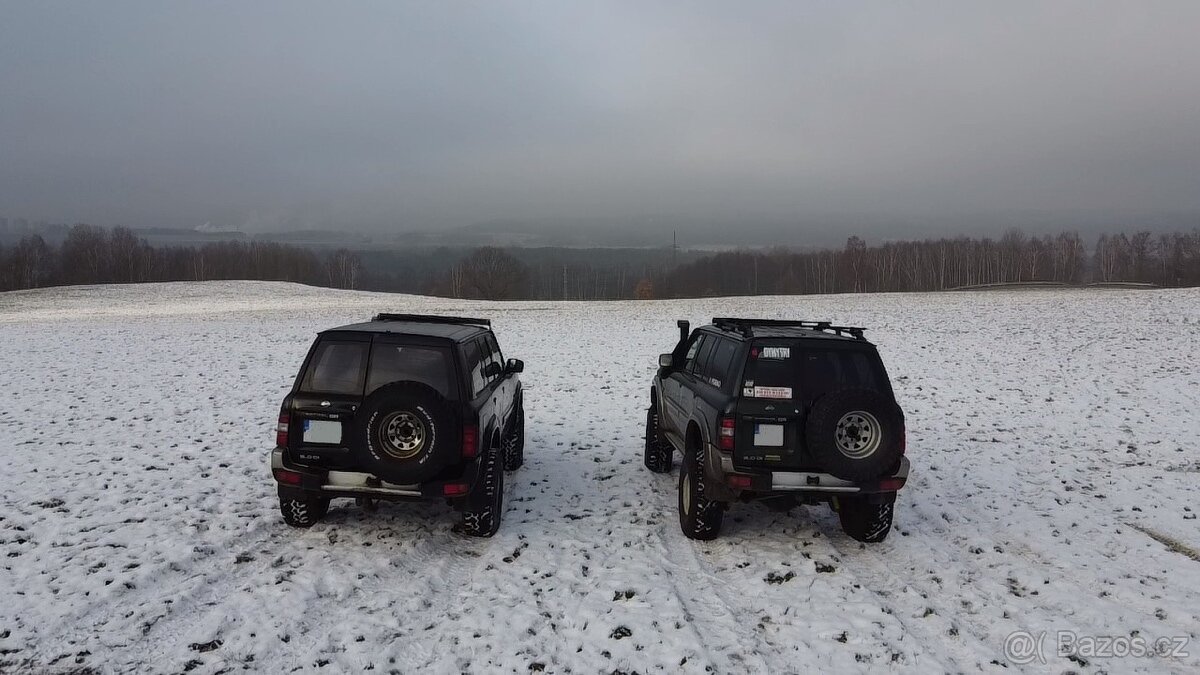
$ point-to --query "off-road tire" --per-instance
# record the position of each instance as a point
(302, 509)
(513, 443)
(864, 521)
(405, 434)
(855, 434)
(657, 454)
(481, 516)
(699, 517)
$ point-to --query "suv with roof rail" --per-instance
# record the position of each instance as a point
(401, 407)
(785, 412)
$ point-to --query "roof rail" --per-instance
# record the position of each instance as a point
(746, 326)
(432, 318)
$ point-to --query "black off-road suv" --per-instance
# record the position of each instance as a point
(401, 407)
(782, 411)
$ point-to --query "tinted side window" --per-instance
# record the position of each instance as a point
(495, 348)
(720, 365)
(698, 365)
(336, 368)
(691, 352)
(486, 359)
(474, 367)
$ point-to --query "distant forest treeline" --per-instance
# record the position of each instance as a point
(943, 264)
(91, 255)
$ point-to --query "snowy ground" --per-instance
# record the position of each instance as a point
(1052, 433)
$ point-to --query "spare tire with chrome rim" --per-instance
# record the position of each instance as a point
(406, 433)
(855, 434)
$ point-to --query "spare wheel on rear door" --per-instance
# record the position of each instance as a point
(855, 434)
(405, 433)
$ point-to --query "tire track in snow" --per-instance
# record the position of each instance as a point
(161, 635)
(882, 579)
(977, 596)
(213, 609)
(133, 635)
(711, 612)
(441, 560)
(452, 585)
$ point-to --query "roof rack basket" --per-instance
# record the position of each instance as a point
(746, 326)
(431, 318)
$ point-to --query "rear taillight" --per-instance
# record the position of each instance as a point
(740, 482)
(454, 489)
(470, 441)
(903, 439)
(281, 431)
(725, 437)
(287, 477)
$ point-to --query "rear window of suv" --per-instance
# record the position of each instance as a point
(339, 367)
(336, 368)
(428, 365)
(805, 373)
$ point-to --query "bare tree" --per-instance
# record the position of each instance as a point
(490, 273)
(125, 253)
(342, 268)
(85, 256)
(855, 256)
(29, 264)
(1139, 257)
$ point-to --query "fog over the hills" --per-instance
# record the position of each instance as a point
(428, 115)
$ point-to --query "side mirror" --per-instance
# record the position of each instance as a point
(514, 366)
(664, 360)
(491, 370)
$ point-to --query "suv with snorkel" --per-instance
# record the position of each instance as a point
(784, 412)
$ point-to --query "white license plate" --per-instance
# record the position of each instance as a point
(768, 435)
(322, 431)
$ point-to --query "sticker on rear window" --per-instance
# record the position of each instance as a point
(773, 392)
(775, 353)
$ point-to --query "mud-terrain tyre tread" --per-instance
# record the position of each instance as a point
(657, 454)
(864, 521)
(513, 445)
(481, 515)
(303, 510)
(701, 517)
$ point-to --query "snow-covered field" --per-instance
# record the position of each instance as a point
(1053, 436)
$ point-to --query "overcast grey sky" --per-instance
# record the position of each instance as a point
(428, 114)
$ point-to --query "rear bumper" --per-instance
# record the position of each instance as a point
(361, 484)
(812, 482)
